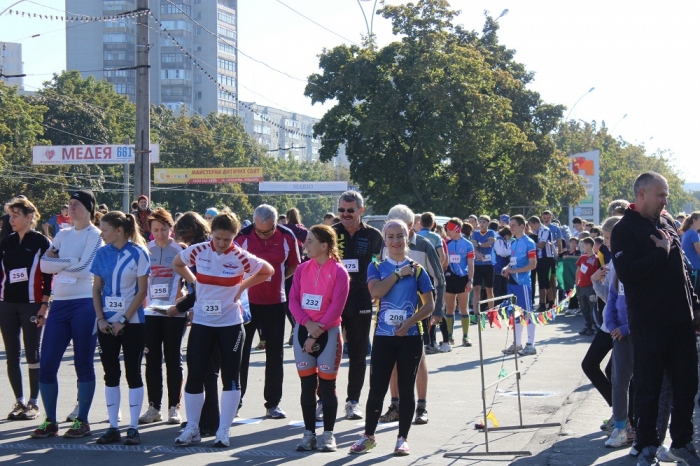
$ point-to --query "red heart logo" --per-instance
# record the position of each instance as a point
(49, 154)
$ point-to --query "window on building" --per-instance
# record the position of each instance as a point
(226, 32)
(199, 94)
(172, 57)
(176, 74)
(226, 48)
(177, 8)
(177, 25)
(226, 80)
(227, 18)
(227, 65)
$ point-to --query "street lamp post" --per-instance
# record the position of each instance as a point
(579, 100)
(370, 23)
(613, 128)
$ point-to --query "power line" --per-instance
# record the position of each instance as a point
(317, 24)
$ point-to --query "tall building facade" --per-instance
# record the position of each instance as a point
(98, 48)
(11, 64)
(284, 133)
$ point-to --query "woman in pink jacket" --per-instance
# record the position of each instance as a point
(318, 295)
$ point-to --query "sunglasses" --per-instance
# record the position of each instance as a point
(342, 210)
(265, 232)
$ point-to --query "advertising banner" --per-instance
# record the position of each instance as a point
(207, 175)
(587, 165)
(89, 154)
(303, 187)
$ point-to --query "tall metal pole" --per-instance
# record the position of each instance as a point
(126, 202)
(142, 162)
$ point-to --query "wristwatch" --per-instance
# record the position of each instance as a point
(123, 320)
(398, 274)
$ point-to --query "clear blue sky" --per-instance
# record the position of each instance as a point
(641, 57)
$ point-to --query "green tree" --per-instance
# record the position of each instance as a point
(440, 120)
(620, 163)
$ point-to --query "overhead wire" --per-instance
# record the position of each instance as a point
(317, 24)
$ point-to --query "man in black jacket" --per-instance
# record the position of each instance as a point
(662, 310)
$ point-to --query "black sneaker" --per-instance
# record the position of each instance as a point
(132, 437)
(17, 411)
(541, 308)
(421, 416)
(112, 435)
(590, 332)
(584, 331)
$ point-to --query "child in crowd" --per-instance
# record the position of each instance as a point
(587, 264)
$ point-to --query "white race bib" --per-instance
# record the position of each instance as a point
(584, 268)
(160, 291)
(115, 304)
(18, 275)
(394, 316)
(311, 302)
(211, 307)
(455, 259)
(621, 292)
(351, 265)
(487, 257)
(66, 280)
(514, 262)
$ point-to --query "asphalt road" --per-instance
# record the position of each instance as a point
(553, 386)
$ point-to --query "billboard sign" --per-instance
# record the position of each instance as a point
(303, 187)
(89, 154)
(587, 165)
(207, 175)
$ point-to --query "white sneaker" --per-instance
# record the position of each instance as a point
(662, 454)
(319, 411)
(308, 442)
(73, 414)
(327, 442)
(352, 410)
(445, 347)
(151, 415)
(174, 415)
(512, 349)
(617, 439)
(222, 438)
(529, 350)
(189, 435)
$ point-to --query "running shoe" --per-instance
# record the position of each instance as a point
(308, 442)
(591, 332)
(152, 414)
(132, 437)
(445, 347)
(685, 455)
(319, 411)
(222, 438)
(112, 435)
(572, 311)
(17, 411)
(541, 308)
(529, 350)
(391, 415)
(45, 430)
(31, 412)
(633, 451)
(352, 410)
(363, 445)
(421, 416)
(79, 429)
(608, 424)
(327, 442)
(452, 341)
(401, 448)
(512, 349)
(662, 454)
(466, 342)
(647, 457)
(73, 414)
(617, 439)
(189, 435)
(275, 413)
(261, 346)
(174, 415)
(584, 331)
(430, 349)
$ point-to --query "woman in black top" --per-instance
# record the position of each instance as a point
(24, 299)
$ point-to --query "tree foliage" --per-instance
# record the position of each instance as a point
(620, 163)
(441, 119)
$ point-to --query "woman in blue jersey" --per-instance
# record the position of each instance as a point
(459, 279)
(72, 315)
(24, 301)
(397, 283)
(165, 326)
(121, 270)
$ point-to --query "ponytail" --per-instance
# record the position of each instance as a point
(128, 223)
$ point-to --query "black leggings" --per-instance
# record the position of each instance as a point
(13, 318)
(131, 342)
(600, 347)
(357, 320)
(164, 338)
(405, 353)
(202, 343)
(308, 402)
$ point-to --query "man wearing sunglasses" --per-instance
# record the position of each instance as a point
(358, 244)
(277, 245)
